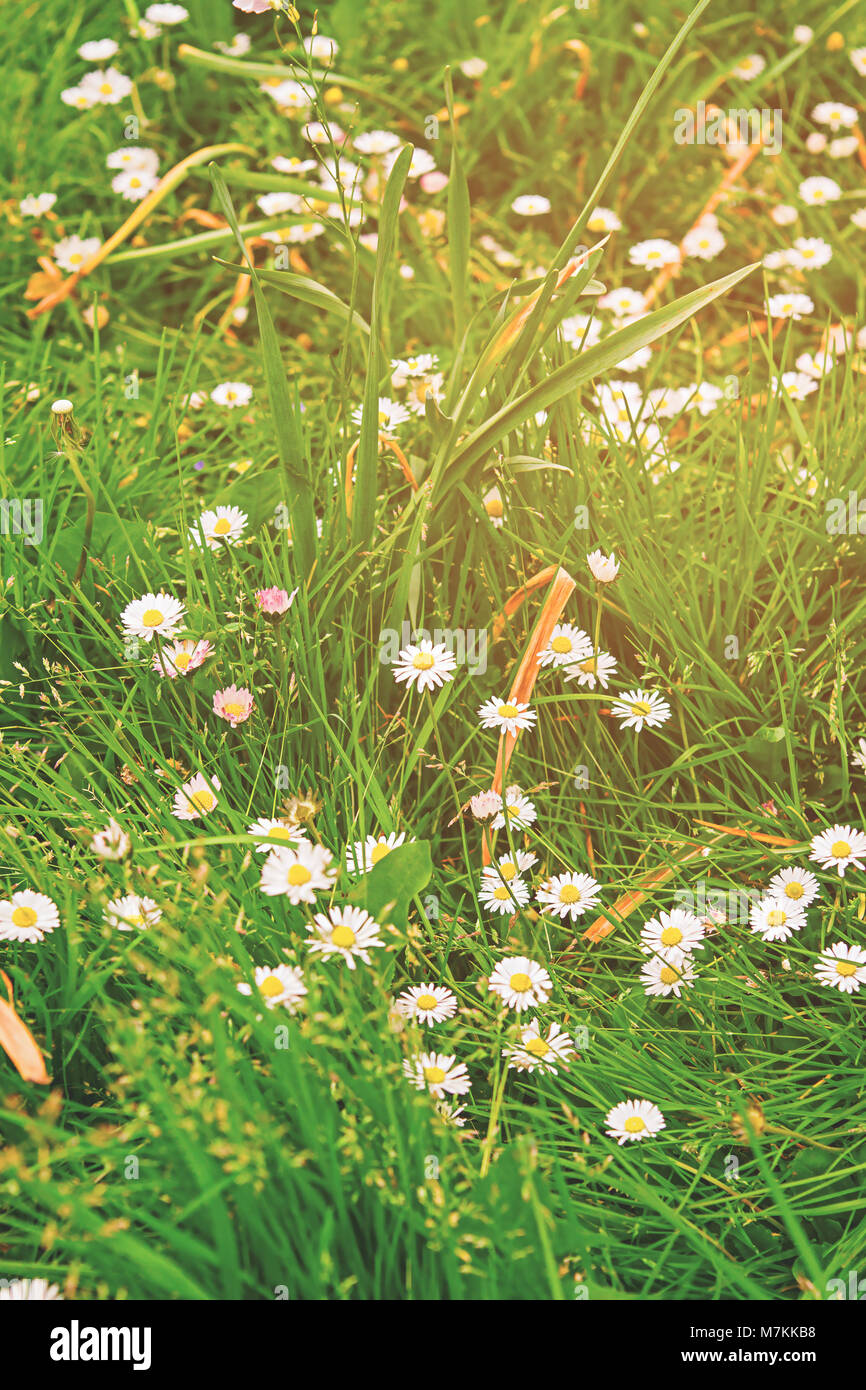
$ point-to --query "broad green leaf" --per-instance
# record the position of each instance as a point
(387, 890)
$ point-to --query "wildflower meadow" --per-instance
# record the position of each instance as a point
(432, 727)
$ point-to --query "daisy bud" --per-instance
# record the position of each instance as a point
(604, 568)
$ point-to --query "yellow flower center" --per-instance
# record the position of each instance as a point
(642, 708)
(538, 1047)
(204, 800)
(561, 644)
(422, 661)
(425, 1001)
(846, 967)
(222, 526)
(501, 893)
(270, 987)
(298, 874)
(134, 182)
(434, 1075)
(508, 711)
(383, 418)
(667, 975)
(494, 506)
(182, 660)
(794, 890)
(568, 893)
(152, 618)
(634, 1124)
(235, 709)
(23, 917)
(75, 257)
(105, 89)
(520, 983)
(840, 849)
(280, 832)
(671, 936)
(379, 852)
(508, 870)
(343, 937)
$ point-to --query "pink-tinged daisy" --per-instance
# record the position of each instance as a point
(278, 984)
(151, 615)
(501, 897)
(537, 1051)
(484, 805)
(425, 666)
(662, 976)
(437, 1072)
(795, 885)
(112, 842)
(27, 916)
(363, 855)
(521, 983)
(349, 932)
(641, 707)
(29, 1290)
(196, 798)
(508, 716)
(775, 919)
(233, 704)
(517, 809)
(274, 601)
(283, 829)
(634, 1119)
(842, 967)
(223, 525)
(840, 848)
(428, 1003)
(181, 658)
(298, 873)
(567, 895)
(672, 935)
(567, 643)
(132, 913)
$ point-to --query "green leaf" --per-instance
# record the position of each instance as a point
(306, 290)
(458, 222)
(388, 889)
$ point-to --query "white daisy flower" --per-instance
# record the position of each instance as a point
(634, 1119)
(641, 707)
(842, 967)
(749, 67)
(196, 798)
(531, 205)
(106, 87)
(364, 854)
(795, 385)
(376, 142)
(809, 253)
(181, 658)
(795, 885)
(132, 913)
(451, 1114)
(166, 14)
(232, 393)
(703, 242)
(596, 666)
(134, 157)
(654, 254)
(29, 1289)
(835, 114)
(348, 932)
(568, 895)
(567, 643)
(672, 935)
(279, 984)
(517, 810)
(112, 843)
(151, 614)
(603, 220)
(292, 164)
(437, 1072)
(776, 918)
(521, 983)
(98, 50)
(425, 666)
(422, 162)
(279, 829)
(501, 897)
(223, 525)
(133, 184)
(298, 872)
(27, 916)
(858, 757)
(539, 1052)
(511, 865)
(37, 204)
(625, 303)
(428, 1003)
(858, 58)
(604, 568)
(840, 848)
(79, 98)
(72, 252)
(473, 68)
(509, 717)
(843, 147)
(391, 415)
(321, 48)
(662, 976)
(819, 190)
